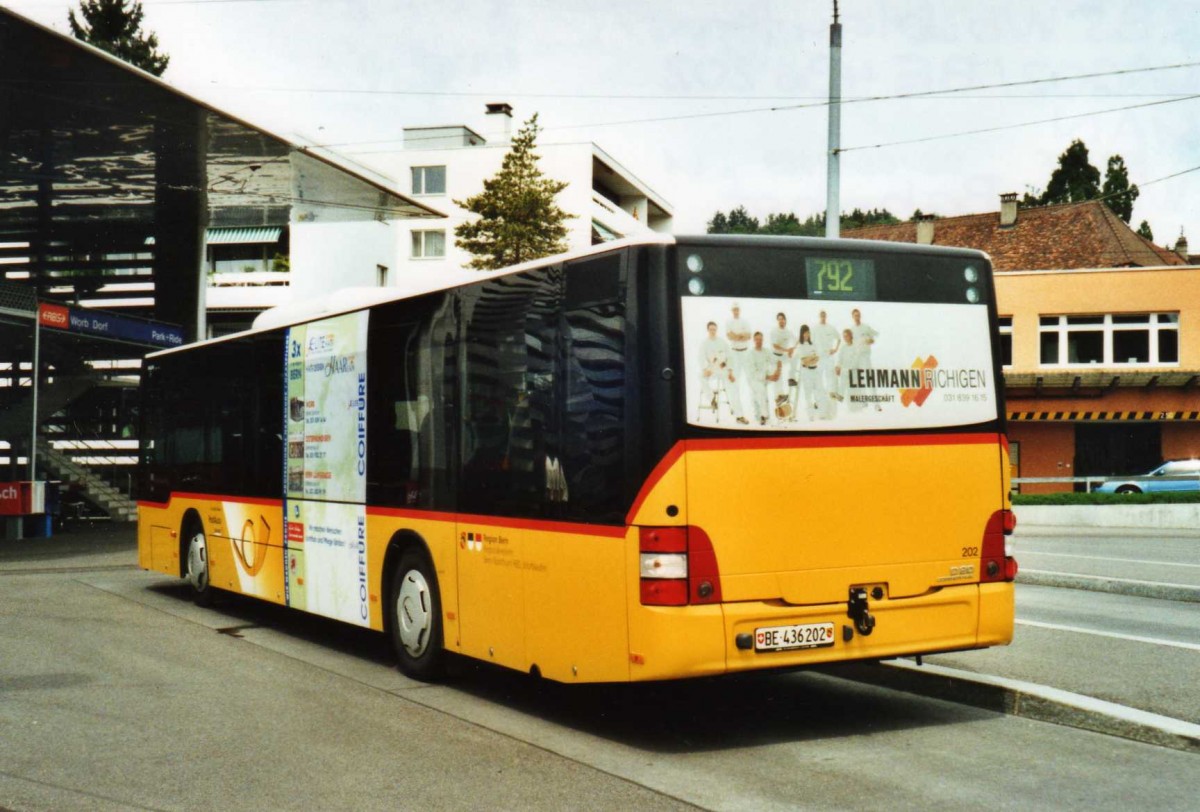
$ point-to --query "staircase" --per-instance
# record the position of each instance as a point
(118, 506)
(15, 420)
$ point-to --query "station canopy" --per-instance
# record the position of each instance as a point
(110, 177)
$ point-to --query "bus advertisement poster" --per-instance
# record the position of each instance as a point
(326, 568)
(326, 397)
(805, 365)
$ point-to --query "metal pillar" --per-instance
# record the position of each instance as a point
(833, 178)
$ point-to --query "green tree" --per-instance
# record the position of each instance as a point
(1118, 193)
(874, 217)
(518, 219)
(1075, 179)
(782, 223)
(1144, 231)
(115, 26)
(738, 221)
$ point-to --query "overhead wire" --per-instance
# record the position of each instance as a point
(1001, 127)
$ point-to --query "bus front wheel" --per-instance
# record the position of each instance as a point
(416, 618)
(196, 570)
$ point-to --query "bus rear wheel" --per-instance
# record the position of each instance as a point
(415, 618)
(196, 570)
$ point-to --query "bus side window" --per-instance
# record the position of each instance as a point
(595, 358)
(399, 412)
(509, 392)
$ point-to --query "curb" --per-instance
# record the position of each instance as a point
(1027, 700)
(1115, 586)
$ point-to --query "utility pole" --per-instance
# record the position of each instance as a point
(833, 178)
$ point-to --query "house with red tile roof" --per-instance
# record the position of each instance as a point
(1100, 332)
(1063, 237)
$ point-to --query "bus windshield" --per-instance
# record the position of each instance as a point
(802, 340)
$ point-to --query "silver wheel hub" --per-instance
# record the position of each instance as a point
(414, 613)
(197, 562)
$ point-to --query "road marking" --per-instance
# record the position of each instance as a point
(1116, 635)
(1109, 578)
(1020, 552)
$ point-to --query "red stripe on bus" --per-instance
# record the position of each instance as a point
(212, 497)
(660, 470)
(409, 513)
(544, 525)
(877, 440)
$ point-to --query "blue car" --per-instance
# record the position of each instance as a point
(1176, 475)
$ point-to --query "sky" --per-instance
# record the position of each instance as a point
(354, 73)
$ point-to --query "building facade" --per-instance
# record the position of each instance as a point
(1100, 332)
(439, 165)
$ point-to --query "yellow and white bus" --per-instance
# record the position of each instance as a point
(650, 460)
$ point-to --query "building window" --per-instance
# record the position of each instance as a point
(429, 180)
(1145, 339)
(428, 244)
(381, 276)
(239, 258)
(1006, 340)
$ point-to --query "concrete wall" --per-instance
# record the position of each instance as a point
(1143, 517)
(328, 256)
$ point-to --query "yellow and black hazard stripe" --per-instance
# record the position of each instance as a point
(1075, 417)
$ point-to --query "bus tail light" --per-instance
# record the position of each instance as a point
(997, 560)
(678, 567)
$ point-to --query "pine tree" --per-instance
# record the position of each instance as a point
(1144, 231)
(1118, 193)
(719, 224)
(115, 26)
(1075, 179)
(518, 218)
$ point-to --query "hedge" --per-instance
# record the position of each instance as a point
(1184, 498)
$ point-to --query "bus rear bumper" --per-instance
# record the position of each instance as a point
(959, 617)
(692, 641)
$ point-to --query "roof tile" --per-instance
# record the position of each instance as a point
(1062, 237)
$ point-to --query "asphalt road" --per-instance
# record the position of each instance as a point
(1132, 555)
(1130, 649)
(117, 693)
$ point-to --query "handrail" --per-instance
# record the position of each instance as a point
(1090, 481)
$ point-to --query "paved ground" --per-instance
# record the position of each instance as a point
(1122, 669)
(116, 692)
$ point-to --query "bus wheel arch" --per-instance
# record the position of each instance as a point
(413, 607)
(194, 558)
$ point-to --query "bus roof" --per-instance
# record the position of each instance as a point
(348, 300)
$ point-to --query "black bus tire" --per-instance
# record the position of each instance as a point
(415, 618)
(196, 570)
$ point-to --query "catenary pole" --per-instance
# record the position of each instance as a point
(33, 391)
(833, 176)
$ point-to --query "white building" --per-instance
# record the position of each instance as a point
(439, 165)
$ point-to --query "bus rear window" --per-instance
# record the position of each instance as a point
(790, 340)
